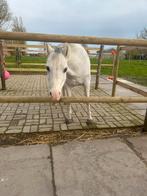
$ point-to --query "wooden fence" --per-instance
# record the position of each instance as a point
(81, 99)
(71, 39)
(82, 40)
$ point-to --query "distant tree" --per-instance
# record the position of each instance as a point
(143, 34)
(5, 14)
(17, 25)
(138, 53)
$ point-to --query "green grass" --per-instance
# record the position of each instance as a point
(133, 70)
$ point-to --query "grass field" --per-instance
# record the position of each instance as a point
(134, 70)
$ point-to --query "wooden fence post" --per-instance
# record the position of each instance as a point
(115, 71)
(18, 57)
(2, 66)
(47, 49)
(145, 123)
(113, 62)
(99, 66)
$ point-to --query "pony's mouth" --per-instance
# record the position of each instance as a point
(56, 96)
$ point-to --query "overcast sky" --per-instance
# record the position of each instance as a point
(111, 18)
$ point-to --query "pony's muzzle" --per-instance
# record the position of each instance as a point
(56, 95)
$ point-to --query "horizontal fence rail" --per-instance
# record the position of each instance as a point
(71, 39)
(24, 46)
(83, 99)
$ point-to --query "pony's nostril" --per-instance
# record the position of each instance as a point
(55, 95)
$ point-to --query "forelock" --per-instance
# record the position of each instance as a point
(57, 58)
(58, 50)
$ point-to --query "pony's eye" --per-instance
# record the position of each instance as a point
(65, 70)
(48, 69)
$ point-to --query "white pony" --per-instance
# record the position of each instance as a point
(67, 66)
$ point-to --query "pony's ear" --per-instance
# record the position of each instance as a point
(49, 49)
(65, 49)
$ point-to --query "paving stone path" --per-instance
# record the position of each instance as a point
(39, 117)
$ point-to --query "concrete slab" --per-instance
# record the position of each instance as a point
(25, 171)
(98, 168)
(140, 144)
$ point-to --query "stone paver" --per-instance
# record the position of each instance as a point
(25, 170)
(103, 167)
(15, 118)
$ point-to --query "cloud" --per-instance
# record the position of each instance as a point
(115, 18)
